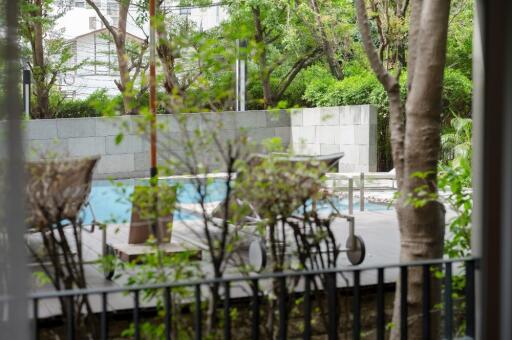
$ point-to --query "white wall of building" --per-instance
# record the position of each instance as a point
(79, 24)
(91, 44)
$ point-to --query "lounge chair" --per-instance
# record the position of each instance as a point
(57, 190)
(355, 247)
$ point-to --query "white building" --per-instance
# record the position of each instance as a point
(204, 17)
(83, 28)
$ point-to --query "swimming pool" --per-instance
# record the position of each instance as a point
(110, 200)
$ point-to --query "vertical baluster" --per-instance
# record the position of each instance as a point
(227, 314)
(104, 320)
(332, 306)
(136, 317)
(307, 307)
(426, 302)
(403, 303)
(168, 317)
(283, 317)
(381, 331)
(255, 331)
(448, 303)
(357, 307)
(35, 307)
(71, 317)
(470, 299)
(197, 322)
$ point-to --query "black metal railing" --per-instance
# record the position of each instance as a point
(446, 270)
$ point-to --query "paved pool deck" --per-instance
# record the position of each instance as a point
(379, 230)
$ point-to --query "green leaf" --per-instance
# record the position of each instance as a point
(119, 138)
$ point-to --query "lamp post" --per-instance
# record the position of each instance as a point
(26, 89)
(241, 68)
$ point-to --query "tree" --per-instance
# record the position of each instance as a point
(49, 54)
(277, 44)
(129, 68)
(327, 22)
(415, 137)
(188, 56)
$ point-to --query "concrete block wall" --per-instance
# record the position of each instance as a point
(307, 131)
(348, 129)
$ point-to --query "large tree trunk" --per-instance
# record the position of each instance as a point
(416, 146)
(422, 229)
(42, 107)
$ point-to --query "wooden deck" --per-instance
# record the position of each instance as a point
(378, 229)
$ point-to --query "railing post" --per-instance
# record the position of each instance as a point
(104, 320)
(426, 302)
(470, 299)
(36, 318)
(136, 316)
(350, 195)
(332, 306)
(307, 307)
(255, 315)
(357, 307)
(168, 311)
(403, 303)
(282, 305)
(71, 317)
(361, 192)
(198, 318)
(227, 315)
(381, 330)
(448, 303)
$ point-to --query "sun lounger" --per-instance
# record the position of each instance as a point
(257, 249)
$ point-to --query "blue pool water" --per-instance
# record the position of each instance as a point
(110, 200)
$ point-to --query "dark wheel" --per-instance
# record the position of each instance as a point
(357, 253)
(257, 255)
(109, 266)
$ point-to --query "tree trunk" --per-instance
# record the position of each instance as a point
(125, 83)
(122, 59)
(42, 107)
(415, 141)
(330, 55)
(422, 229)
(259, 38)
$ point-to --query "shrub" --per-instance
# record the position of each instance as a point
(95, 105)
(360, 86)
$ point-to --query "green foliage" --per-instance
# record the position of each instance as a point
(360, 86)
(460, 37)
(456, 182)
(457, 92)
(96, 104)
(456, 141)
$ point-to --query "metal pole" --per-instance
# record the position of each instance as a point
(241, 70)
(152, 87)
(153, 171)
(26, 90)
(237, 78)
(350, 195)
(361, 192)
